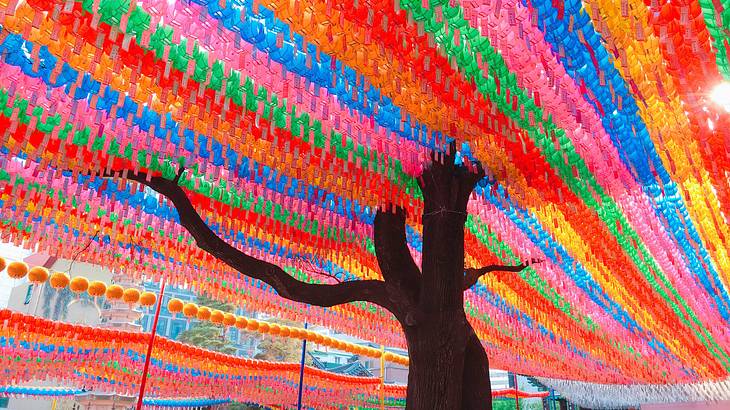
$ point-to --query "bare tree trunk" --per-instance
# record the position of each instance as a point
(448, 366)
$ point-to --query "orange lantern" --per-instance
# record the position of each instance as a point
(204, 313)
(96, 289)
(38, 275)
(216, 317)
(175, 305)
(274, 329)
(131, 296)
(264, 327)
(114, 292)
(79, 284)
(17, 270)
(190, 310)
(147, 299)
(241, 322)
(229, 319)
(59, 280)
(3, 264)
(285, 331)
(252, 325)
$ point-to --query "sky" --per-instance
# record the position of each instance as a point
(10, 253)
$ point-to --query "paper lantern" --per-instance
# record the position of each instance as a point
(3, 263)
(229, 319)
(17, 270)
(96, 289)
(264, 327)
(147, 299)
(79, 284)
(59, 280)
(114, 292)
(131, 296)
(285, 331)
(38, 275)
(216, 317)
(274, 329)
(241, 322)
(175, 305)
(252, 325)
(204, 313)
(190, 310)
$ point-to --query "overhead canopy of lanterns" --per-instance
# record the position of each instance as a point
(295, 120)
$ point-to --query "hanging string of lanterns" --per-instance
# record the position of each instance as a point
(132, 296)
(36, 349)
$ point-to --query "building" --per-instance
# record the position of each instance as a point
(171, 326)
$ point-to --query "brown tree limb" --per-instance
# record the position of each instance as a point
(472, 275)
(286, 286)
(391, 249)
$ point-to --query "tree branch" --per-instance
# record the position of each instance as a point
(391, 249)
(285, 285)
(473, 274)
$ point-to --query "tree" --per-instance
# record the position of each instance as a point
(449, 368)
(207, 334)
(280, 349)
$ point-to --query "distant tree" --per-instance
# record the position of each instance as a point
(280, 349)
(206, 334)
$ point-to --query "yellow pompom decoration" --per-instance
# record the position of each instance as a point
(114, 292)
(131, 295)
(175, 305)
(79, 284)
(147, 299)
(190, 310)
(59, 280)
(38, 275)
(17, 270)
(96, 289)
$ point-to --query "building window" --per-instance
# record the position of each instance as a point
(337, 359)
(28, 294)
(162, 327)
(177, 327)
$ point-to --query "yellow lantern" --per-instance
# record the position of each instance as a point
(241, 322)
(96, 289)
(229, 319)
(59, 280)
(131, 296)
(38, 275)
(190, 310)
(216, 317)
(79, 284)
(17, 270)
(147, 299)
(114, 292)
(175, 305)
(204, 313)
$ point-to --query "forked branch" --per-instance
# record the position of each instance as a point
(472, 275)
(284, 284)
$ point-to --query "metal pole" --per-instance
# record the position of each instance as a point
(301, 371)
(149, 347)
(382, 377)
